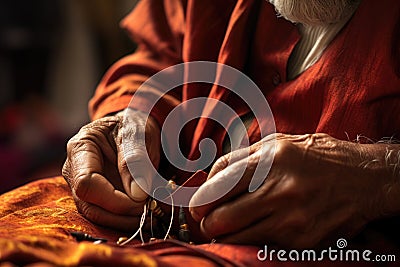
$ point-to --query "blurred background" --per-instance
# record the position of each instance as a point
(52, 55)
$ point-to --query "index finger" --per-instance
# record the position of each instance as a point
(216, 188)
(89, 183)
(238, 176)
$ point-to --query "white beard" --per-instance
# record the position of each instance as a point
(313, 12)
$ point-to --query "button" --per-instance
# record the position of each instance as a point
(276, 79)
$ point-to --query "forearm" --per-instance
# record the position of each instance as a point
(383, 162)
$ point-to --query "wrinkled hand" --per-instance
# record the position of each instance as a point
(97, 169)
(319, 188)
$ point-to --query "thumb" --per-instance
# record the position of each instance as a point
(134, 164)
(136, 172)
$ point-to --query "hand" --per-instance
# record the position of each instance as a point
(97, 169)
(318, 189)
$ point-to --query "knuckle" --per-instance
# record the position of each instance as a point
(66, 170)
(76, 143)
(284, 149)
(92, 131)
(90, 213)
(80, 205)
(82, 186)
(71, 144)
(223, 161)
(219, 164)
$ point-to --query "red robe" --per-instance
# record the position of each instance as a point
(352, 90)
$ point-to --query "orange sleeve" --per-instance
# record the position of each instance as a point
(157, 27)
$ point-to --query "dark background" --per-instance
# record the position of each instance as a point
(52, 55)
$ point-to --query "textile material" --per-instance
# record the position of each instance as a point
(36, 219)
